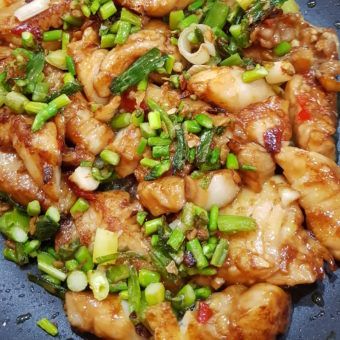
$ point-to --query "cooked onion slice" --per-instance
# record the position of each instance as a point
(279, 72)
(206, 49)
(31, 9)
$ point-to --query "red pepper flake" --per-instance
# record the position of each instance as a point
(304, 113)
(26, 27)
(272, 140)
(204, 312)
(129, 104)
(88, 195)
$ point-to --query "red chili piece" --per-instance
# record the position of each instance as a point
(129, 104)
(204, 312)
(304, 113)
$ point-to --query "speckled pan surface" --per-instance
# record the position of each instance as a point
(23, 303)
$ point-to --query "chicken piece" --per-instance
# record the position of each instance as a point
(11, 27)
(266, 123)
(223, 86)
(317, 179)
(313, 115)
(114, 211)
(162, 196)
(67, 197)
(106, 112)
(125, 144)
(88, 58)
(40, 152)
(108, 319)
(155, 8)
(121, 57)
(279, 251)
(255, 155)
(15, 181)
(260, 312)
(218, 187)
(83, 129)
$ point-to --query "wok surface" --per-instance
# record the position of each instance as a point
(23, 303)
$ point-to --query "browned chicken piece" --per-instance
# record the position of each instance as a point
(40, 152)
(15, 181)
(224, 87)
(88, 58)
(154, 8)
(121, 57)
(317, 179)
(115, 211)
(266, 123)
(260, 312)
(125, 144)
(83, 129)
(108, 319)
(11, 27)
(162, 196)
(279, 251)
(67, 197)
(218, 187)
(313, 115)
(255, 155)
(66, 234)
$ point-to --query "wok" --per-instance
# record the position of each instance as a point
(22, 303)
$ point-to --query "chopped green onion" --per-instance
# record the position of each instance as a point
(107, 10)
(161, 151)
(233, 60)
(247, 167)
(173, 41)
(141, 146)
(118, 287)
(188, 296)
(208, 271)
(98, 284)
(57, 59)
(235, 30)
(232, 162)
(147, 277)
(80, 206)
(118, 273)
(188, 21)
(71, 265)
(40, 92)
(71, 67)
(213, 215)
(154, 240)
(152, 226)
(33, 208)
(134, 291)
(282, 48)
(204, 121)
(176, 239)
(220, 253)
(235, 224)
(121, 120)
(110, 157)
(137, 117)
(42, 116)
(107, 40)
(16, 101)
(45, 264)
(143, 84)
(123, 32)
(68, 78)
(217, 15)
(148, 162)
(124, 295)
(158, 141)
(208, 250)
(158, 170)
(106, 258)
(290, 6)
(175, 18)
(31, 246)
(197, 4)
(76, 281)
(84, 258)
(202, 293)
(257, 73)
(174, 80)
(65, 39)
(195, 248)
(169, 63)
(27, 39)
(9, 254)
(86, 10)
(130, 17)
(154, 293)
(192, 126)
(48, 326)
(154, 118)
(53, 214)
(54, 35)
(141, 216)
(146, 130)
(94, 6)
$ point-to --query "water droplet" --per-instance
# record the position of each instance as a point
(318, 299)
(317, 316)
(337, 25)
(22, 318)
(55, 315)
(4, 324)
(7, 290)
(311, 3)
(21, 295)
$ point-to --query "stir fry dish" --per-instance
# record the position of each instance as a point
(169, 165)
